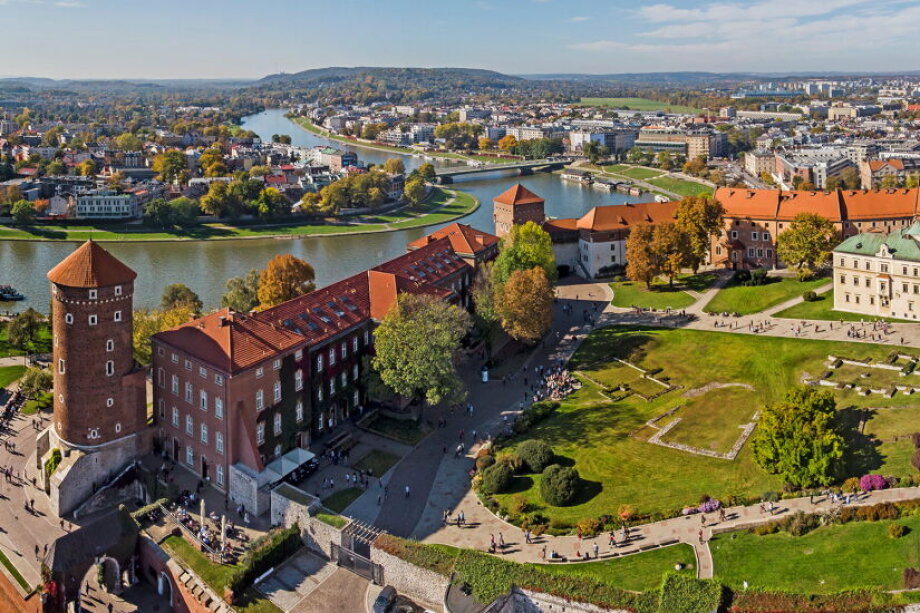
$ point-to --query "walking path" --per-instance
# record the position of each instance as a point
(773, 310)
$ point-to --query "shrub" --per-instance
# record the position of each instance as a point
(626, 512)
(876, 512)
(759, 276)
(915, 439)
(52, 462)
(268, 551)
(559, 485)
(483, 462)
(896, 531)
(915, 459)
(911, 578)
(802, 524)
(685, 594)
(851, 485)
(589, 526)
(517, 504)
(710, 506)
(810, 296)
(512, 461)
(536, 455)
(496, 479)
(869, 483)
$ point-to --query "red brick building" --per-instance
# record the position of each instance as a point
(516, 206)
(233, 392)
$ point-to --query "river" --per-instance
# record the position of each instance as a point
(205, 266)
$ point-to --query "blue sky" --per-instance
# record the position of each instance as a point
(236, 38)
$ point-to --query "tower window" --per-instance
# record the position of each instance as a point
(109, 402)
(93, 294)
(118, 290)
(61, 367)
(68, 318)
(110, 368)
(117, 428)
(93, 319)
(117, 315)
(110, 346)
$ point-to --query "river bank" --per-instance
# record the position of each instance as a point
(442, 205)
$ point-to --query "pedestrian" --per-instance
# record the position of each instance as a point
(543, 553)
(703, 520)
(701, 537)
(407, 491)
(612, 541)
(596, 551)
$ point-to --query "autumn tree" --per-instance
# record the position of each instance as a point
(526, 305)
(284, 278)
(220, 200)
(485, 143)
(394, 166)
(177, 295)
(507, 143)
(527, 246)
(147, 322)
(427, 171)
(169, 165)
(128, 142)
(641, 261)
(807, 243)
(701, 219)
(416, 346)
(272, 203)
(242, 293)
(670, 246)
(414, 190)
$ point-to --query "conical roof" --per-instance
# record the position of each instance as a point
(518, 195)
(91, 266)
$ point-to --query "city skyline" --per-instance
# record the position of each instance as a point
(246, 41)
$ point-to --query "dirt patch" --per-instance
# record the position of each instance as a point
(699, 391)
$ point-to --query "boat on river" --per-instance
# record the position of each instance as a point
(8, 293)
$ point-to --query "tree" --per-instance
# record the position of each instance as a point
(128, 142)
(700, 218)
(179, 294)
(271, 203)
(169, 165)
(890, 182)
(394, 166)
(416, 346)
(485, 143)
(670, 246)
(496, 479)
(219, 200)
(526, 305)
(527, 246)
(595, 151)
(87, 168)
(696, 166)
(23, 212)
(147, 322)
(184, 211)
(797, 438)
(414, 190)
(665, 162)
(24, 327)
(486, 317)
(807, 243)
(641, 262)
(56, 168)
(535, 454)
(427, 171)
(559, 485)
(284, 278)
(507, 143)
(35, 381)
(242, 293)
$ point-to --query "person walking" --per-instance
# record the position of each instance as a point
(596, 550)
(407, 491)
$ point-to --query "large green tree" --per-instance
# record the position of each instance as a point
(414, 191)
(23, 329)
(242, 293)
(527, 246)
(807, 243)
(416, 345)
(798, 438)
(23, 212)
(179, 294)
(700, 218)
(170, 165)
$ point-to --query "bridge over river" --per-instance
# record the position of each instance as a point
(524, 167)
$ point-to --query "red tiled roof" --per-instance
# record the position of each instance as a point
(623, 216)
(875, 204)
(556, 226)
(518, 195)
(90, 266)
(837, 206)
(825, 204)
(464, 239)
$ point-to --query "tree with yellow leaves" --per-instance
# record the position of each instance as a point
(284, 278)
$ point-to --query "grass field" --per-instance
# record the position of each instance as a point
(682, 186)
(41, 344)
(607, 441)
(829, 559)
(747, 300)
(377, 462)
(8, 374)
(823, 309)
(628, 294)
(641, 173)
(339, 501)
(639, 572)
(638, 104)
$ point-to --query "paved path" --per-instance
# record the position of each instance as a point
(794, 301)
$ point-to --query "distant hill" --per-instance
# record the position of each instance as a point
(421, 75)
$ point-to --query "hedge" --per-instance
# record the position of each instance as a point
(266, 552)
(53, 461)
(753, 601)
(436, 558)
(684, 594)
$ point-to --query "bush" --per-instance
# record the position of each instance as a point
(896, 531)
(851, 485)
(483, 462)
(915, 439)
(810, 296)
(685, 594)
(512, 461)
(877, 512)
(802, 524)
(915, 459)
(559, 485)
(868, 483)
(709, 506)
(536, 455)
(269, 551)
(589, 526)
(52, 462)
(496, 479)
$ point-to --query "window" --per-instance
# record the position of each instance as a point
(118, 290)
(174, 358)
(202, 372)
(220, 474)
(354, 344)
(190, 456)
(188, 392)
(356, 398)
(203, 400)
(161, 408)
(218, 407)
(760, 253)
(354, 372)
(276, 365)
(765, 236)
(769, 253)
(260, 400)
(298, 380)
(332, 386)
(110, 346)
(344, 350)
(319, 394)
(298, 355)
(117, 315)
(110, 368)
(847, 298)
(174, 382)
(367, 338)
(843, 279)
(298, 411)
(175, 417)
(278, 450)
(204, 433)
(343, 377)
(93, 320)
(189, 425)
(218, 379)
(332, 357)
(319, 361)
(188, 365)
(93, 294)
(750, 252)
(219, 442)
(259, 372)
(68, 318)
(277, 424)
(260, 433)
(276, 391)
(884, 267)
(734, 234)
(753, 236)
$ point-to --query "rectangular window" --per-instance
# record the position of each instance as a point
(766, 236)
(367, 338)
(220, 475)
(319, 394)
(259, 373)
(188, 365)
(332, 357)
(117, 315)
(218, 379)
(260, 433)
(734, 234)
(161, 377)
(92, 320)
(753, 236)
(188, 392)
(298, 380)
(750, 252)
(344, 350)
(190, 456)
(118, 290)
(203, 372)
(298, 355)
(277, 424)
(276, 365)
(356, 398)
(218, 407)
(204, 433)
(93, 294)
(189, 425)
(354, 372)
(319, 362)
(354, 344)
(161, 408)
(174, 382)
(298, 411)
(110, 368)
(174, 358)
(332, 386)
(203, 400)
(276, 391)
(260, 400)
(219, 442)
(175, 417)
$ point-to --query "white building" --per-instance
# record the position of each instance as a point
(106, 205)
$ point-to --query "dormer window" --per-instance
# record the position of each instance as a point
(93, 294)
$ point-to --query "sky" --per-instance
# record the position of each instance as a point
(252, 38)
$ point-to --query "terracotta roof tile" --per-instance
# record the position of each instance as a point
(624, 216)
(518, 194)
(91, 266)
(464, 239)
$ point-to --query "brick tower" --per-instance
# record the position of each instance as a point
(99, 391)
(516, 206)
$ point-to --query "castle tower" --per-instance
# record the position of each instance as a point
(516, 206)
(99, 392)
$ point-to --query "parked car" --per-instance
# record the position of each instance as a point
(385, 600)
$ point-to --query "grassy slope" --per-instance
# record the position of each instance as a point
(832, 558)
(682, 186)
(606, 441)
(628, 294)
(747, 300)
(823, 309)
(8, 374)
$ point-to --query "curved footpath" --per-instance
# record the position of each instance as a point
(439, 481)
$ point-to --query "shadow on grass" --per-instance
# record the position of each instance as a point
(519, 485)
(587, 490)
(863, 454)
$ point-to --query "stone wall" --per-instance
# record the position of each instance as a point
(407, 578)
(317, 535)
(243, 489)
(290, 505)
(526, 601)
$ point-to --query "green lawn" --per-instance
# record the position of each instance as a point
(41, 344)
(638, 104)
(682, 186)
(8, 374)
(641, 172)
(889, 426)
(829, 559)
(823, 309)
(14, 571)
(631, 294)
(607, 441)
(747, 300)
(639, 572)
(377, 462)
(339, 501)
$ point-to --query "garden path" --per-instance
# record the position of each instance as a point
(794, 301)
